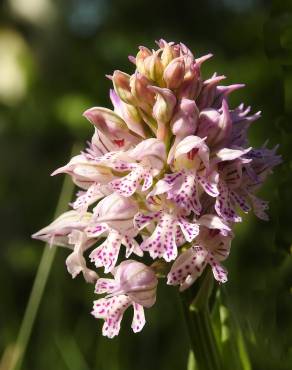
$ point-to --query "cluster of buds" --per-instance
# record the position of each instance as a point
(168, 172)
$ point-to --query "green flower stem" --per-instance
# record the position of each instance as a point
(39, 284)
(198, 321)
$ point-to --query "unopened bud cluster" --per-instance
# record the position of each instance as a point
(168, 173)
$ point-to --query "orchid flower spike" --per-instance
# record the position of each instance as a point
(168, 173)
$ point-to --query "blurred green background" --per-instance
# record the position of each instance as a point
(54, 55)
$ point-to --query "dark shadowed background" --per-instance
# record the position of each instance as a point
(54, 55)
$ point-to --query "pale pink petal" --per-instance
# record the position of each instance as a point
(240, 200)
(209, 184)
(232, 173)
(219, 272)
(216, 241)
(162, 186)
(222, 251)
(139, 318)
(132, 246)
(107, 253)
(89, 197)
(184, 192)
(127, 185)
(162, 244)
(105, 286)
(189, 230)
(188, 143)
(102, 143)
(116, 102)
(111, 310)
(227, 154)
(123, 166)
(213, 222)
(97, 147)
(224, 205)
(187, 267)
(148, 181)
(179, 237)
(96, 230)
(142, 220)
(76, 262)
(259, 207)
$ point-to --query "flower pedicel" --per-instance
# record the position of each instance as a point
(166, 173)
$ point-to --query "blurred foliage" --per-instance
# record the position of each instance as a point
(54, 55)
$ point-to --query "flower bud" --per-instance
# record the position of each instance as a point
(58, 231)
(138, 281)
(174, 73)
(169, 52)
(121, 82)
(110, 124)
(105, 120)
(215, 126)
(133, 119)
(184, 122)
(139, 88)
(116, 211)
(191, 85)
(140, 58)
(153, 68)
(188, 57)
(164, 105)
(166, 55)
(129, 113)
(85, 172)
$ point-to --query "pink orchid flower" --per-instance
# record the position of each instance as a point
(134, 284)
